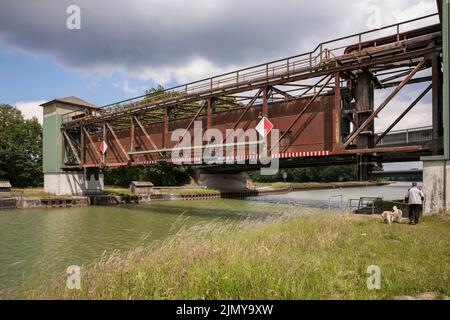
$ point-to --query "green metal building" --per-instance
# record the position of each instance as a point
(56, 180)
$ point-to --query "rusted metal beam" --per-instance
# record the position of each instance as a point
(283, 93)
(358, 64)
(165, 133)
(301, 113)
(382, 150)
(337, 113)
(403, 114)
(265, 108)
(82, 146)
(412, 81)
(96, 151)
(383, 105)
(132, 136)
(147, 136)
(203, 105)
(118, 141)
(374, 79)
(72, 147)
(249, 105)
(209, 113)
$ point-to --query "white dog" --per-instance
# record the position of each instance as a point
(392, 216)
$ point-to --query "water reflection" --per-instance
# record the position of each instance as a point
(337, 198)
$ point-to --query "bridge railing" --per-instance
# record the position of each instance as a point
(324, 54)
(421, 134)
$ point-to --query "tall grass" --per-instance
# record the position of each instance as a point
(290, 257)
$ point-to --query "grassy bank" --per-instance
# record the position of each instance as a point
(32, 193)
(117, 191)
(312, 257)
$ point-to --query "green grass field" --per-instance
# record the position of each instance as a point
(32, 192)
(323, 256)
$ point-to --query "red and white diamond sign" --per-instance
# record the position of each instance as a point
(103, 147)
(264, 127)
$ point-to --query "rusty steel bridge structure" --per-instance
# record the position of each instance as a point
(322, 102)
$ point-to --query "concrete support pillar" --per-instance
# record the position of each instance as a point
(436, 185)
(73, 183)
(364, 107)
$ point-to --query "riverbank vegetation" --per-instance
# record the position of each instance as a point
(314, 174)
(160, 175)
(117, 191)
(20, 148)
(322, 256)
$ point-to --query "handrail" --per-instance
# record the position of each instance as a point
(407, 130)
(293, 64)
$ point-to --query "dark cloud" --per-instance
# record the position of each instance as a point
(153, 39)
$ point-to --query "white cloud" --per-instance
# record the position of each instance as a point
(169, 41)
(132, 90)
(172, 40)
(197, 69)
(31, 109)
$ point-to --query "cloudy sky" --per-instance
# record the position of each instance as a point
(126, 46)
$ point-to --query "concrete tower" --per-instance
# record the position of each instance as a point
(63, 176)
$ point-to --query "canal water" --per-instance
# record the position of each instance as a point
(38, 243)
(337, 198)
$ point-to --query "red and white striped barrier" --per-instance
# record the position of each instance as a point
(286, 155)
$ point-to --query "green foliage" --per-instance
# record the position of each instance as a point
(315, 174)
(20, 148)
(159, 175)
(154, 91)
(321, 256)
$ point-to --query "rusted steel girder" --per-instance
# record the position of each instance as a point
(118, 141)
(318, 131)
(203, 105)
(133, 133)
(72, 147)
(348, 66)
(147, 136)
(301, 113)
(415, 102)
(82, 146)
(382, 150)
(96, 152)
(383, 105)
(336, 125)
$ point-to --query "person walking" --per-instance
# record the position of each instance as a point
(415, 198)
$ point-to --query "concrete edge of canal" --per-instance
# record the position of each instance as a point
(106, 200)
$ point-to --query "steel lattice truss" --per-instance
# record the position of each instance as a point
(327, 77)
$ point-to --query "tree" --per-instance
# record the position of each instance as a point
(159, 175)
(20, 148)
